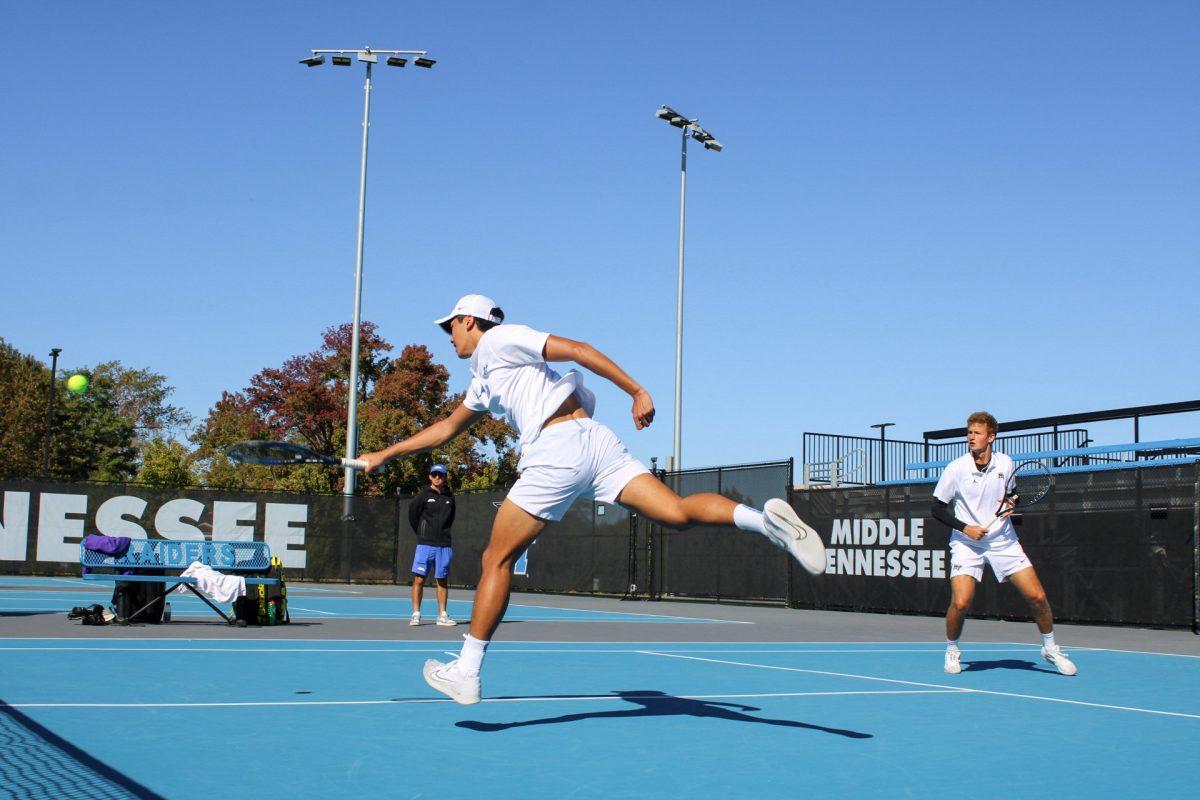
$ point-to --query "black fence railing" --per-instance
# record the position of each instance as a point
(834, 460)
(713, 563)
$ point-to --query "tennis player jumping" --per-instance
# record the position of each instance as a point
(565, 454)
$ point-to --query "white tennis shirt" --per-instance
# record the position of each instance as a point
(510, 378)
(976, 494)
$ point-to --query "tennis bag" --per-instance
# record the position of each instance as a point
(130, 596)
(265, 604)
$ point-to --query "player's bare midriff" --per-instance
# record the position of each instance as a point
(570, 409)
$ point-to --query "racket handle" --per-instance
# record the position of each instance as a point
(354, 463)
(996, 524)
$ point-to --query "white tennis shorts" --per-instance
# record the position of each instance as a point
(1005, 556)
(577, 458)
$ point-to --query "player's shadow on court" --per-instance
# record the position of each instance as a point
(660, 704)
(1006, 663)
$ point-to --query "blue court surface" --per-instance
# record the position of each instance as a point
(116, 714)
(49, 595)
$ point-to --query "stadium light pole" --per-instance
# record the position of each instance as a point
(883, 426)
(342, 58)
(688, 129)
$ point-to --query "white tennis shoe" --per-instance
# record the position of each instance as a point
(953, 664)
(1059, 659)
(445, 621)
(449, 681)
(786, 530)
(415, 620)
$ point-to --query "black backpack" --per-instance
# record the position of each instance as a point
(131, 596)
(265, 604)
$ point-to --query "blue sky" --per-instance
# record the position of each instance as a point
(923, 208)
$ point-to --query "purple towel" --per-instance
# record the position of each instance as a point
(109, 545)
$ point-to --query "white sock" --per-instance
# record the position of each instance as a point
(470, 659)
(952, 644)
(1048, 640)
(749, 519)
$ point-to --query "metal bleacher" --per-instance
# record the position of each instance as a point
(832, 460)
(1167, 452)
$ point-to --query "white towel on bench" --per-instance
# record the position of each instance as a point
(220, 587)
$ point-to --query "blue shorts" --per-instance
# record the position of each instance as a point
(428, 554)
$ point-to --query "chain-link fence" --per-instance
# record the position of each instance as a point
(1114, 546)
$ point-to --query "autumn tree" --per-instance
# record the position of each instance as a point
(304, 401)
(412, 393)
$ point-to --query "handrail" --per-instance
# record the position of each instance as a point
(1132, 447)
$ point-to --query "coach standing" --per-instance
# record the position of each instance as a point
(431, 513)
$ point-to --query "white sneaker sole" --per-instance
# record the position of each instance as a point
(446, 623)
(805, 545)
(1067, 668)
(465, 695)
(414, 622)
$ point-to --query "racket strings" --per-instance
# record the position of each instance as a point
(1031, 485)
(265, 452)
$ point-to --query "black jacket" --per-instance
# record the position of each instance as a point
(431, 514)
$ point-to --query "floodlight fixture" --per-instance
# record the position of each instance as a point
(713, 144)
(423, 61)
(313, 61)
(341, 61)
(672, 116)
(368, 56)
(396, 61)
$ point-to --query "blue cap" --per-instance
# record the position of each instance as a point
(438, 468)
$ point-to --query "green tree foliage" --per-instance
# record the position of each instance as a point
(23, 386)
(166, 462)
(304, 401)
(91, 438)
(141, 397)
(104, 434)
(92, 441)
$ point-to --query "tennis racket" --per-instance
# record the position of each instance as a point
(284, 453)
(1031, 482)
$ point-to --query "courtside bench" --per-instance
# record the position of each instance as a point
(159, 555)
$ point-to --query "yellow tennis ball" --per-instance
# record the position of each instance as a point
(77, 383)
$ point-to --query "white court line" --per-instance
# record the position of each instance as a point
(7, 599)
(798, 647)
(314, 590)
(232, 638)
(416, 701)
(1130, 652)
(312, 610)
(1070, 647)
(353, 615)
(138, 650)
(632, 614)
(962, 689)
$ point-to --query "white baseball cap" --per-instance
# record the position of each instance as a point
(472, 305)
